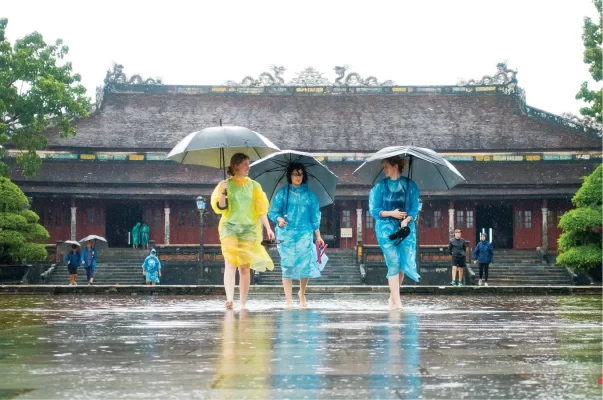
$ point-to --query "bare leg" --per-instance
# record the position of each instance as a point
(454, 273)
(401, 277)
(394, 292)
(244, 282)
(303, 283)
(288, 288)
(230, 272)
(461, 275)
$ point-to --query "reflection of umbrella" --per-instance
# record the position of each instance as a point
(213, 147)
(426, 167)
(98, 242)
(271, 173)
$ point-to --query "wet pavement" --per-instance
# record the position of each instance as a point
(345, 346)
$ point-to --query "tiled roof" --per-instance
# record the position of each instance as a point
(491, 121)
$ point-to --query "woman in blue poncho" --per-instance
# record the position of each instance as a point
(151, 268)
(394, 203)
(296, 212)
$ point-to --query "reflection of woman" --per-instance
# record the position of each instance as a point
(296, 211)
(243, 205)
(394, 203)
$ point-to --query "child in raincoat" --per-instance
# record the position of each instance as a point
(296, 212)
(151, 268)
(243, 207)
(394, 202)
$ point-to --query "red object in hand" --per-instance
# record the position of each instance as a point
(320, 250)
(600, 381)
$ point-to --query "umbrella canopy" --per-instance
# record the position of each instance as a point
(271, 173)
(98, 242)
(427, 168)
(213, 147)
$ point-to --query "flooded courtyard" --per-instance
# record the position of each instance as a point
(342, 346)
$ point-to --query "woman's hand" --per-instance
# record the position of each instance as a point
(270, 233)
(403, 224)
(281, 221)
(397, 214)
(320, 241)
(223, 186)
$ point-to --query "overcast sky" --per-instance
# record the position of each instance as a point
(416, 42)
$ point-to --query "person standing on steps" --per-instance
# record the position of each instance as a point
(151, 269)
(145, 232)
(483, 254)
(136, 235)
(89, 261)
(458, 250)
(296, 212)
(73, 260)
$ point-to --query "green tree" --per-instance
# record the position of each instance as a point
(37, 91)
(580, 242)
(20, 233)
(593, 57)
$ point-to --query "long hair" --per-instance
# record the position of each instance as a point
(235, 160)
(295, 167)
(398, 161)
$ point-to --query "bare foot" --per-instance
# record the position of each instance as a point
(393, 306)
(289, 304)
(243, 306)
(228, 305)
(302, 300)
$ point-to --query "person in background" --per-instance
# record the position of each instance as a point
(151, 268)
(457, 249)
(73, 260)
(145, 233)
(483, 254)
(89, 261)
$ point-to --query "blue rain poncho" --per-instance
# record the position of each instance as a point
(388, 195)
(299, 258)
(151, 266)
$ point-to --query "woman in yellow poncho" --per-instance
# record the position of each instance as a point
(243, 205)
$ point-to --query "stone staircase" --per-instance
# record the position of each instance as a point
(114, 266)
(340, 270)
(525, 274)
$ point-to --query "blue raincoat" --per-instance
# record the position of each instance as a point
(388, 195)
(84, 258)
(151, 266)
(299, 258)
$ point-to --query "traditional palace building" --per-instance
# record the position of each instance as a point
(522, 165)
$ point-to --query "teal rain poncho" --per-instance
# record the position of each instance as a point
(388, 195)
(299, 258)
(136, 235)
(151, 267)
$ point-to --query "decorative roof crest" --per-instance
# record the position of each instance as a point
(503, 76)
(117, 76)
(309, 77)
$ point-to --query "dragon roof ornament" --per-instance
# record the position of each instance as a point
(309, 77)
(117, 76)
(503, 76)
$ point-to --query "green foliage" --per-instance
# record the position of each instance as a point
(580, 242)
(37, 91)
(593, 57)
(21, 236)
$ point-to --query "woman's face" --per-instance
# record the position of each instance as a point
(297, 177)
(88, 244)
(390, 171)
(242, 169)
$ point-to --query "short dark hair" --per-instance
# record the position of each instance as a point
(457, 230)
(74, 246)
(295, 167)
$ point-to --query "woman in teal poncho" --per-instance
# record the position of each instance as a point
(296, 212)
(144, 235)
(136, 235)
(394, 203)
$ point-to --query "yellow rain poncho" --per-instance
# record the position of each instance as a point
(240, 227)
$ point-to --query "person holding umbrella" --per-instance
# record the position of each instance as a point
(295, 209)
(243, 207)
(73, 260)
(394, 204)
(89, 261)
